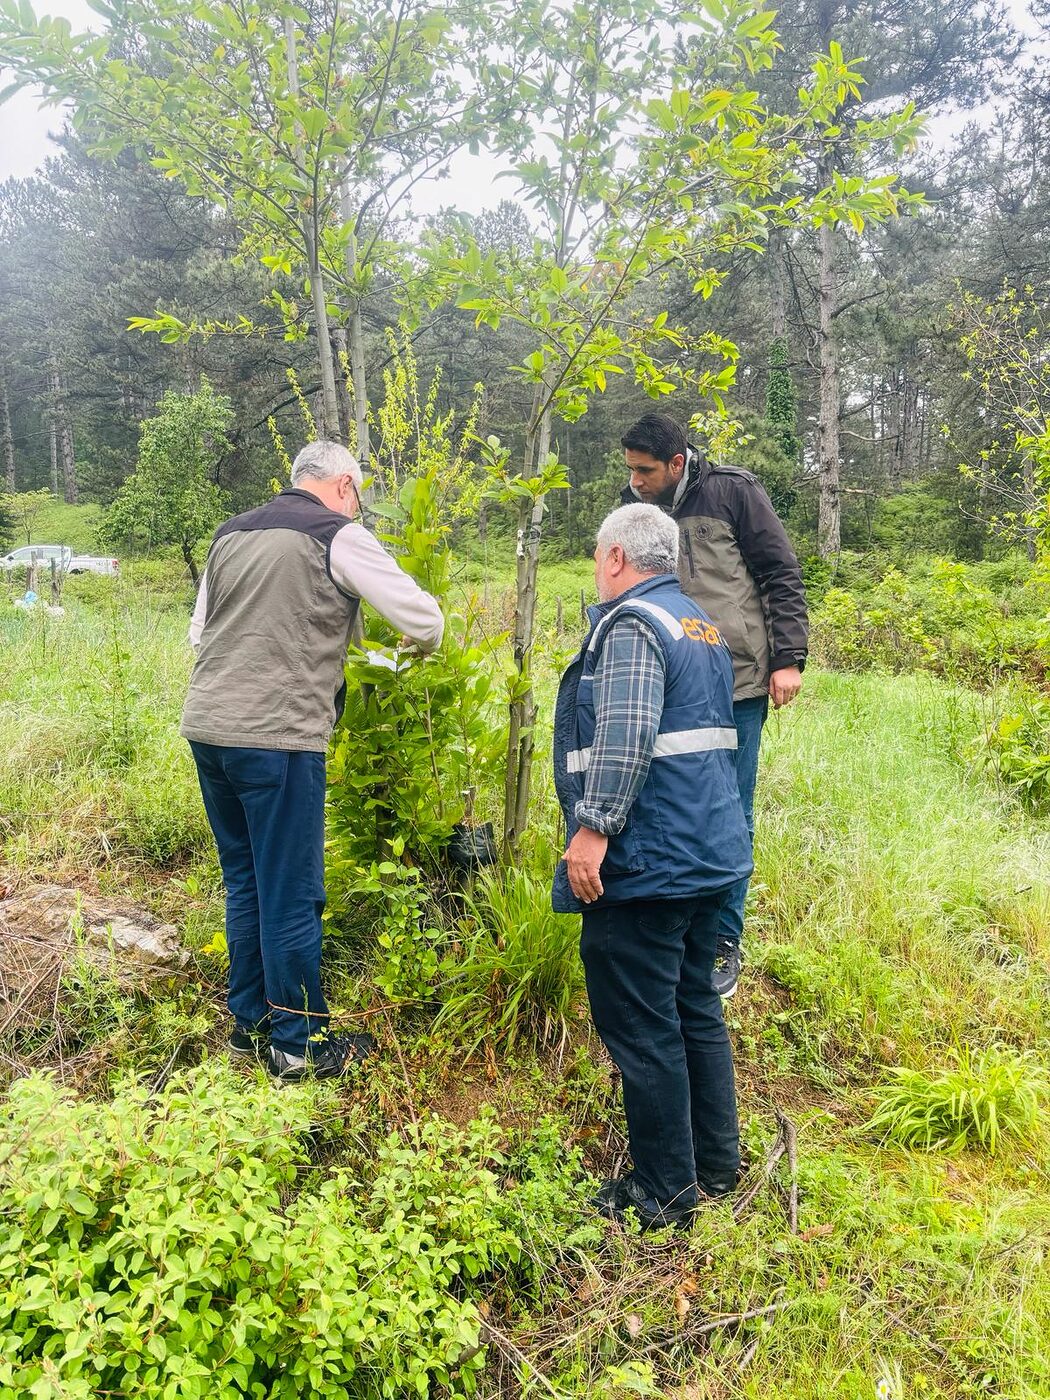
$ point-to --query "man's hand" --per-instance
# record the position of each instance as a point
(583, 857)
(784, 685)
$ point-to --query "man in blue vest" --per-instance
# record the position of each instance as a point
(643, 762)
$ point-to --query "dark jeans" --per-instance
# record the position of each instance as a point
(749, 716)
(648, 968)
(266, 809)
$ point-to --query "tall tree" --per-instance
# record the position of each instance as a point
(626, 187)
(171, 497)
(7, 442)
(309, 126)
(922, 53)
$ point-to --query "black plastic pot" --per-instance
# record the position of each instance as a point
(472, 847)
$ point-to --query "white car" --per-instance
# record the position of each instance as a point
(93, 564)
(42, 554)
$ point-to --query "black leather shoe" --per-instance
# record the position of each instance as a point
(610, 1199)
(620, 1194)
(325, 1059)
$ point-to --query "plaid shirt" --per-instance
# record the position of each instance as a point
(628, 703)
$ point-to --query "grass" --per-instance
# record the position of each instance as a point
(982, 1100)
(898, 897)
(91, 764)
(519, 977)
(900, 911)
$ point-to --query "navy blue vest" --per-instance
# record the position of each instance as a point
(685, 833)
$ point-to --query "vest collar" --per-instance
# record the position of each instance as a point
(596, 611)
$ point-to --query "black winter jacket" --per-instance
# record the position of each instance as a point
(736, 560)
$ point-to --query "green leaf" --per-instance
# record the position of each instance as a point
(314, 121)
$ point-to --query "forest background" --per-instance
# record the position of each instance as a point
(823, 236)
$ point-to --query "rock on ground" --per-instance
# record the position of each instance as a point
(47, 925)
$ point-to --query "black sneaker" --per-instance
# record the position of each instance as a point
(249, 1044)
(622, 1193)
(324, 1060)
(726, 975)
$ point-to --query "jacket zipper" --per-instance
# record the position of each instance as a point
(689, 551)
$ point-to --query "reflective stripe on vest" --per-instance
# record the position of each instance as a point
(677, 741)
(668, 619)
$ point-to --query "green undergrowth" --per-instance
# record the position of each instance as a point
(91, 763)
(899, 897)
(222, 1237)
(179, 1223)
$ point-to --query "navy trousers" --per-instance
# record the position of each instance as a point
(266, 810)
(749, 717)
(648, 966)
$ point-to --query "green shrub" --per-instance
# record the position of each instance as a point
(519, 976)
(155, 1246)
(392, 902)
(972, 623)
(1019, 750)
(418, 741)
(984, 1098)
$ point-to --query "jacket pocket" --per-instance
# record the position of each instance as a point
(624, 856)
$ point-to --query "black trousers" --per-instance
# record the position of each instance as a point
(648, 967)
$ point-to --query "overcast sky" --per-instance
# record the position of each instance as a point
(471, 184)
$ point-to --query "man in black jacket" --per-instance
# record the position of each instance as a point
(737, 562)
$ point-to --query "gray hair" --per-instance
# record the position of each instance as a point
(325, 460)
(648, 538)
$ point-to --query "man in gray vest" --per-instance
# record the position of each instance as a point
(278, 597)
(643, 765)
(737, 562)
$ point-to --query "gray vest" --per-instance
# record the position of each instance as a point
(269, 671)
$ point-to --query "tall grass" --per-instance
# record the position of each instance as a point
(519, 977)
(980, 1100)
(897, 895)
(91, 763)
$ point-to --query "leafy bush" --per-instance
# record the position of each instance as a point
(171, 496)
(941, 616)
(984, 1098)
(397, 901)
(1019, 750)
(416, 742)
(155, 1246)
(520, 975)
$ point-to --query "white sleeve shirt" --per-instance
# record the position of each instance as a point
(358, 564)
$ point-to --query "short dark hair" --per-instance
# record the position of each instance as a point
(657, 434)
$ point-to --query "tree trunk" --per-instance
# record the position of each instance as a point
(7, 441)
(330, 426)
(342, 357)
(906, 451)
(521, 733)
(66, 452)
(53, 434)
(778, 286)
(357, 374)
(62, 449)
(191, 563)
(829, 522)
